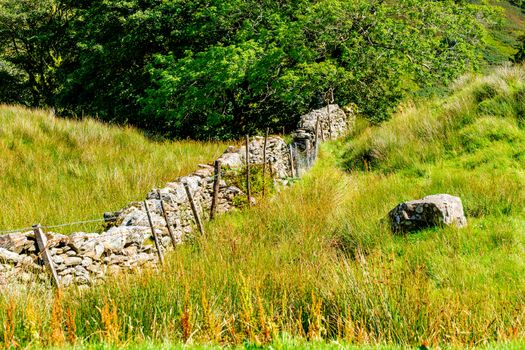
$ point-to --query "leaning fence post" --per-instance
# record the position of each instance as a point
(154, 233)
(292, 169)
(316, 138)
(216, 186)
(165, 215)
(308, 151)
(329, 121)
(194, 208)
(248, 189)
(41, 241)
(264, 163)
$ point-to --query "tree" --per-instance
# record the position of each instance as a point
(215, 68)
(369, 52)
(33, 36)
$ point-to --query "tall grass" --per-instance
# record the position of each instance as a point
(55, 171)
(317, 263)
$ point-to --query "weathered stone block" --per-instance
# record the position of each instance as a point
(9, 257)
(434, 210)
(16, 242)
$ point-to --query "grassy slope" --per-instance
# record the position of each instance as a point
(319, 262)
(56, 171)
(502, 40)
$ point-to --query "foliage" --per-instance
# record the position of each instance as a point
(56, 171)
(367, 52)
(519, 3)
(318, 262)
(210, 68)
(33, 37)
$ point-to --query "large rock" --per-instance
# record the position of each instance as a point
(231, 159)
(9, 257)
(434, 210)
(17, 242)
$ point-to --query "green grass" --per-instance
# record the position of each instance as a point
(501, 41)
(55, 171)
(318, 262)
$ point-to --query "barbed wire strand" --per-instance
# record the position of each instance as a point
(52, 226)
(74, 223)
(16, 230)
(86, 221)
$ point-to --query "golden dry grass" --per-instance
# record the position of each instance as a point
(56, 171)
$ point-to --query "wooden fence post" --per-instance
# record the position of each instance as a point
(248, 189)
(216, 186)
(154, 233)
(291, 161)
(194, 208)
(264, 163)
(308, 151)
(329, 121)
(168, 225)
(41, 241)
(316, 138)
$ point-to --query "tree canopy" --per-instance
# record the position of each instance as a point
(213, 68)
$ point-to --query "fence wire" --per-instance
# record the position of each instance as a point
(23, 229)
(303, 160)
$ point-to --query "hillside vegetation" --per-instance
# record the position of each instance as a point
(56, 171)
(318, 261)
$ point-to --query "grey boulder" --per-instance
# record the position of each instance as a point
(430, 211)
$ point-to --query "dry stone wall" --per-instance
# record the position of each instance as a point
(85, 258)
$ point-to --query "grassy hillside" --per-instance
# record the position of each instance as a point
(502, 40)
(55, 171)
(318, 262)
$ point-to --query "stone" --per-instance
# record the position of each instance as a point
(166, 241)
(96, 253)
(71, 253)
(122, 236)
(87, 261)
(16, 243)
(66, 280)
(114, 259)
(60, 267)
(26, 260)
(81, 271)
(82, 280)
(67, 271)
(111, 217)
(137, 216)
(56, 239)
(72, 261)
(9, 257)
(204, 172)
(81, 243)
(94, 268)
(130, 251)
(56, 251)
(231, 160)
(192, 181)
(430, 211)
(141, 258)
(58, 259)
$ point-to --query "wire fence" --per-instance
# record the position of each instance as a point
(30, 228)
(302, 158)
